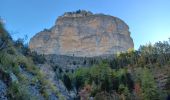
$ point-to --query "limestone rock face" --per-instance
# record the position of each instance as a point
(83, 34)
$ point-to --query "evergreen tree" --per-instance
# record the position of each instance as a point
(149, 88)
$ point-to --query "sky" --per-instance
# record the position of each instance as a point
(148, 20)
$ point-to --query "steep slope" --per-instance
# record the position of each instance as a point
(83, 34)
(20, 78)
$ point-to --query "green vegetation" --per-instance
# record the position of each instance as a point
(16, 59)
(129, 75)
(102, 78)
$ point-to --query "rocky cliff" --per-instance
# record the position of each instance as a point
(83, 34)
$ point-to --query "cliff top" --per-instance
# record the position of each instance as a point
(78, 13)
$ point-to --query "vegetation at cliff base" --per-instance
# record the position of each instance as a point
(136, 74)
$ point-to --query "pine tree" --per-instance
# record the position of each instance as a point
(149, 88)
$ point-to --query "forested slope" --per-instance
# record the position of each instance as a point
(135, 75)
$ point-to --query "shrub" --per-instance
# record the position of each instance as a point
(67, 82)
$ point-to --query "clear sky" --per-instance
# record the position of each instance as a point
(149, 20)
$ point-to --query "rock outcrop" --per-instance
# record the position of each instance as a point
(83, 34)
(3, 90)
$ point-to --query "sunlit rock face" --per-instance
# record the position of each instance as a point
(83, 34)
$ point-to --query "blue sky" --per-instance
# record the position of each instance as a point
(149, 20)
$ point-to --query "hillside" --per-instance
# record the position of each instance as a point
(141, 74)
(20, 78)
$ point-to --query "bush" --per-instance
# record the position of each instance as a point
(37, 58)
(67, 82)
(18, 92)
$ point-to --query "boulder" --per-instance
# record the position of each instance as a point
(13, 78)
